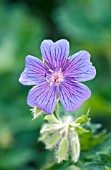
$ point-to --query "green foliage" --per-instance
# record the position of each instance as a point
(87, 26)
(96, 158)
(20, 34)
(64, 135)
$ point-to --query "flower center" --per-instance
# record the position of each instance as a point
(55, 77)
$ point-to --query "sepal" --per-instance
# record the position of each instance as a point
(53, 140)
(62, 150)
(36, 112)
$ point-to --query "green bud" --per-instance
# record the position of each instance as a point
(43, 138)
(53, 140)
(63, 149)
(51, 128)
(75, 147)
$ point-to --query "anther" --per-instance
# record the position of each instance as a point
(60, 70)
(47, 80)
(51, 70)
(51, 83)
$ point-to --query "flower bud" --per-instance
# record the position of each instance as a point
(53, 140)
(62, 150)
(62, 135)
(51, 128)
(75, 147)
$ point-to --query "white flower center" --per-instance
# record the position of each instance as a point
(55, 78)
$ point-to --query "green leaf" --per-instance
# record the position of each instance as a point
(81, 130)
(83, 119)
(89, 140)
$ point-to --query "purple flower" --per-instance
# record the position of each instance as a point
(58, 77)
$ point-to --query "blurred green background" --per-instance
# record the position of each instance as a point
(23, 25)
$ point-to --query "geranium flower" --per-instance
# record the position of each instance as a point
(58, 77)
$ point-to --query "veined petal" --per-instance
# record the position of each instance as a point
(34, 71)
(43, 96)
(79, 67)
(55, 54)
(73, 94)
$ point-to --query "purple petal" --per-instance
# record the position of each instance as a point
(79, 67)
(55, 54)
(34, 71)
(43, 96)
(73, 94)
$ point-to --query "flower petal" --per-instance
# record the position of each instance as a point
(43, 96)
(79, 67)
(73, 94)
(34, 72)
(55, 54)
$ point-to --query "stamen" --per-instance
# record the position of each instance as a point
(55, 78)
(60, 70)
(47, 80)
(51, 70)
(51, 83)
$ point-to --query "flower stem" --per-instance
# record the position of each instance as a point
(56, 111)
